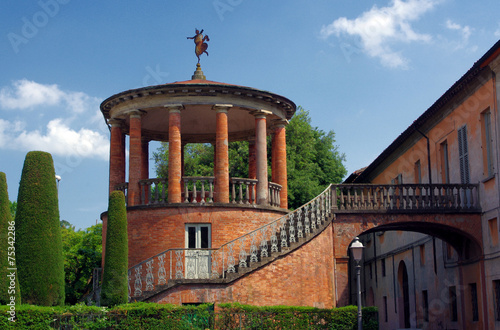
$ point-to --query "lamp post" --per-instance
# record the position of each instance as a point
(357, 253)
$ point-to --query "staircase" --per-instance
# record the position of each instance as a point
(236, 258)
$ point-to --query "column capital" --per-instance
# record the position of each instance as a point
(115, 122)
(136, 113)
(278, 123)
(174, 107)
(261, 113)
(222, 107)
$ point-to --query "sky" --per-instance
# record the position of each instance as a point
(363, 69)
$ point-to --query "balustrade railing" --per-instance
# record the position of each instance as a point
(200, 189)
(243, 190)
(406, 197)
(274, 194)
(234, 256)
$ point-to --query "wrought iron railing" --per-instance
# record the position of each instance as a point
(234, 256)
(406, 197)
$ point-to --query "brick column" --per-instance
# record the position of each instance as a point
(279, 159)
(273, 158)
(261, 154)
(116, 155)
(135, 158)
(222, 154)
(174, 153)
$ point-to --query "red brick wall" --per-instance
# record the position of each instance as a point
(153, 230)
(301, 278)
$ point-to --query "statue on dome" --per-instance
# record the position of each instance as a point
(201, 45)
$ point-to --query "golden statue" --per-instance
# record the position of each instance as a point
(201, 45)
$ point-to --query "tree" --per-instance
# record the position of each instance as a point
(7, 249)
(13, 208)
(115, 278)
(313, 159)
(38, 234)
(82, 251)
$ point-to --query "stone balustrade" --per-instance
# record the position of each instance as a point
(200, 189)
(406, 197)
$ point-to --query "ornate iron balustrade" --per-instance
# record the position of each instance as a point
(234, 256)
(406, 197)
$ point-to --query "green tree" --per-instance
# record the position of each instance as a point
(313, 159)
(38, 234)
(115, 279)
(7, 248)
(82, 251)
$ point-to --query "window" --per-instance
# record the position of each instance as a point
(425, 305)
(383, 267)
(418, 172)
(496, 287)
(386, 318)
(370, 268)
(487, 143)
(453, 303)
(422, 254)
(463, 153)
(473, 297)
(445, 169)
(493, 227)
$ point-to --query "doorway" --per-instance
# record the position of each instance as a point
(404, 296)
(197, 261)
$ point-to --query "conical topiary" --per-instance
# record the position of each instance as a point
(115, 278)
(9, 286)
(38, 234)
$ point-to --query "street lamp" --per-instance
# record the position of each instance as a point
(357, 253)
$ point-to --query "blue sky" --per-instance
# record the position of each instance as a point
(364, 69)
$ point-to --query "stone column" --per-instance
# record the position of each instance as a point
(135, 158)
(116, 155)
(261, 155)
(174, 153)
(222, 154)
(279, 159)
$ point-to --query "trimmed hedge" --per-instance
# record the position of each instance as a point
(130, 316)
(237, 316)
(7, 249)
(115, 277)
(164, 316)
(38, 234)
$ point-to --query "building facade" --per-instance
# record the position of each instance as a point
(420, 279)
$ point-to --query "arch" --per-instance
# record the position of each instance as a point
(403, 295)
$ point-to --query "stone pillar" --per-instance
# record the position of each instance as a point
(135, 158)
(116, 155)
(174, 153)
(279, 159)
(222, 154)
(261, 154)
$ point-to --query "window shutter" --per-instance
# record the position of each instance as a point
(463, 155)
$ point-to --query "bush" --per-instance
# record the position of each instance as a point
(7, 248)
(115, 277)
(38, 234)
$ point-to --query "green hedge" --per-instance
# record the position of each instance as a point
(142, 315)
(9, 285)
(39, 256)
(129, 316)
(115, 278)
(237, 316)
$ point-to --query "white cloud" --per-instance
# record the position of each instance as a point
(380, 28)
(26, 94)
(80, 134)
(58, 139)
(465, 31)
